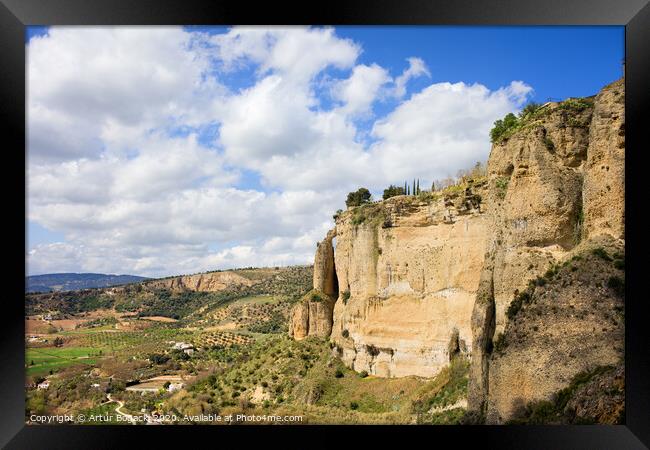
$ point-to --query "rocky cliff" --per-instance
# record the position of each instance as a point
(312, 316)
(205, 282)
(422, 278)
(558, 186)
(406, 272)
(407, 269)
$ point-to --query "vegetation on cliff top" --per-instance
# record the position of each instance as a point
(510, 124)
(358, 197)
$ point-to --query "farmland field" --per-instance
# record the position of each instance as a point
(46, 359)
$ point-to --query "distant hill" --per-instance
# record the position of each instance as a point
(73, 281)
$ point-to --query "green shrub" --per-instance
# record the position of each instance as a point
(550, 146)
(530, 110)
(575, 104)
(575, 123)
(501, 185)
(503, 126)
(516, 304)
(601, 253)
(619, 264)
(345, 334)
(358, 218)
(617, 284)
(345, 296)
(363, 374)
(315, 297)
(354, 405)
(500, 343)
(338, 373)
(392, 191)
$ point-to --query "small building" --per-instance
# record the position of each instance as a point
(182, 346)
(173, 387)
(143, 388)
(44, 385)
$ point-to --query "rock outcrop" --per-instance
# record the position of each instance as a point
(408, 270)
(604, 184)
(571, 321)
(324, 271)
(549, 195)
(415, 280)
(205, 282)
(313, 315)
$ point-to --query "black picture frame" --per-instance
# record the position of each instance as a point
(16, 14)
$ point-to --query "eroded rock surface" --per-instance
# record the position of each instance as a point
(407, 279)
(415, 280)
(206, 282)
(313, 315)
(549, 196)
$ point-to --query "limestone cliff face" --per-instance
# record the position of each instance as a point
(551, 190)
(407, 279)
(413, 280)
(324, 272)
(312, 316)
(604, 185)
(207, 282)
(573, 323)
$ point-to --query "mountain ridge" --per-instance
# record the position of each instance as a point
(71, 281)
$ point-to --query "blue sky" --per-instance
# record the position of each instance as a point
(109, 142)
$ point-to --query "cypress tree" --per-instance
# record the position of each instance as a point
(413, 186)
(418, 189)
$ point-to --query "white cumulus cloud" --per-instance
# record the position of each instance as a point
(121, 164)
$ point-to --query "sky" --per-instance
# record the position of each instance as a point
(157, 151)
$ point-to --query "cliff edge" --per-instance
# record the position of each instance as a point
(414, 281)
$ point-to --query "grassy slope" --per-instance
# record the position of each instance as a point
(287, 377)
(589, 287)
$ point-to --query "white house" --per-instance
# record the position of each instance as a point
(182, 346)
(173, 387)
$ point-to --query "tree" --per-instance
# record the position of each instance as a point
(418, 187)
(529, 109)
(414, 186)
(358, 197)
(433, 186)
(58, 342)
(503, 125)
(157, 358)
(392, 191)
